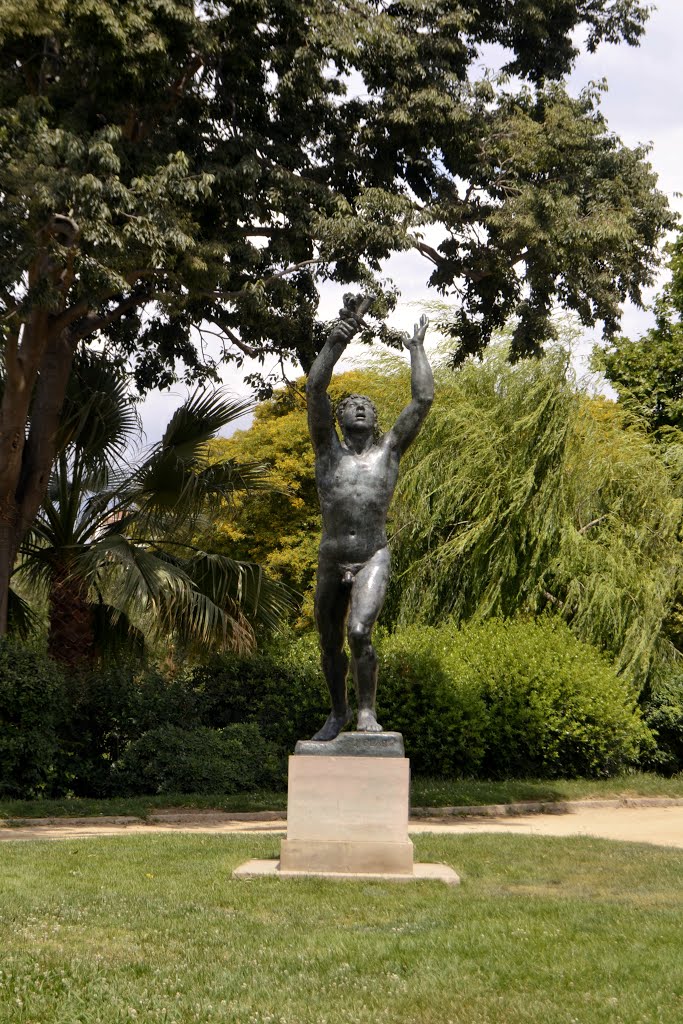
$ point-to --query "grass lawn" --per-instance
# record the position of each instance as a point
(425, 793)
(153, 928)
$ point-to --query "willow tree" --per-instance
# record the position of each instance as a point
(168, 165)
(525, 495)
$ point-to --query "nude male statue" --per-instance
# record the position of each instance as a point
(356, 478)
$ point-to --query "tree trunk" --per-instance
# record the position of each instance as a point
(71, 636)
(37, 369)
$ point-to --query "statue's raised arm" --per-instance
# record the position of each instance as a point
(320, 412)
(408, 424)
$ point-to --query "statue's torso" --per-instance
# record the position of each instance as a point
(355, 492)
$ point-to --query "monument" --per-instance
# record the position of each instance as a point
(349, 792)
(356, 477)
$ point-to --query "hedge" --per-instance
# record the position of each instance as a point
(508, 699)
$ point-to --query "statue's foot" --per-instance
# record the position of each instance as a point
(334, 725)
(367, 721)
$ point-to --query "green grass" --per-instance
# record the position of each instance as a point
(463, 792)
(153, 928)
(425, 793)
(139, 806)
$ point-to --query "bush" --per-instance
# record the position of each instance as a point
(282, 691)
(502, 699)
(201, 760)
(31, 701)
(663, 713)
(507, 699)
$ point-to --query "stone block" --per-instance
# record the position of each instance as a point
(348, 798)
(350, 857)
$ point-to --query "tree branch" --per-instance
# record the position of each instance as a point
(292, 269)
(249, 350)
(430, 253)
(593, 522)
(96, 323)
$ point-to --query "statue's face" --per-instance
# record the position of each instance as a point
(358, 415)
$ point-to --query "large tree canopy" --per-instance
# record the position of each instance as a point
(166, 164)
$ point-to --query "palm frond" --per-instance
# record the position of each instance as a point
(265, 602)
(175, 479)
(22, 620)
(142, 579)
(99, 415)
(199, 419)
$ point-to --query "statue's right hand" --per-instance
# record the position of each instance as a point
(350, 317)
(355, 306)
(343, 331)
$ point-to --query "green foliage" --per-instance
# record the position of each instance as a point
(200, 760)
(647, 373)
(31, 696)
(111, 548)
(194, 154)
(663, 713)
(507, 699)
(522, 494)
(281, 690)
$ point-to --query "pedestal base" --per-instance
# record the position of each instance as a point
(346, 857)
(347, 817)
(420, 873)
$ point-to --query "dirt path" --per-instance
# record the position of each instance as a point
(660, 825)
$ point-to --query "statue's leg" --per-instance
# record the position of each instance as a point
(367, 598)
(331, 609)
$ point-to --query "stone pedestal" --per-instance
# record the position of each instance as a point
(347, 815)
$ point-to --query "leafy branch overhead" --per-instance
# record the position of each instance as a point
(168, 169)
(219, 163)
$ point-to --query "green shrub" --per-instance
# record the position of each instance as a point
(201, 760)
(507, 699)
(663, 713)
(108, 709)
(281, 690)
(31, 700)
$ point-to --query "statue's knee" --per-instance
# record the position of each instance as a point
(359, 638)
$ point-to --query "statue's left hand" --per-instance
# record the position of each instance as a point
(419, 332)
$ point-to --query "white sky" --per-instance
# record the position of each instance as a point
(642, 105)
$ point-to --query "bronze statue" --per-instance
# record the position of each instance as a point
(356, 478)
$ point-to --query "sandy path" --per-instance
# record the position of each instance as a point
(662, 826)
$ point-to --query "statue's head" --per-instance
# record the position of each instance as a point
(357, 414)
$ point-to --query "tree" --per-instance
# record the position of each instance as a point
(647, 372)
(111, 547)
(171, 167)
(525, 495)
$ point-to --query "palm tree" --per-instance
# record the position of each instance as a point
(112, 546)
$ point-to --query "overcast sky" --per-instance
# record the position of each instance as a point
(642, 105)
